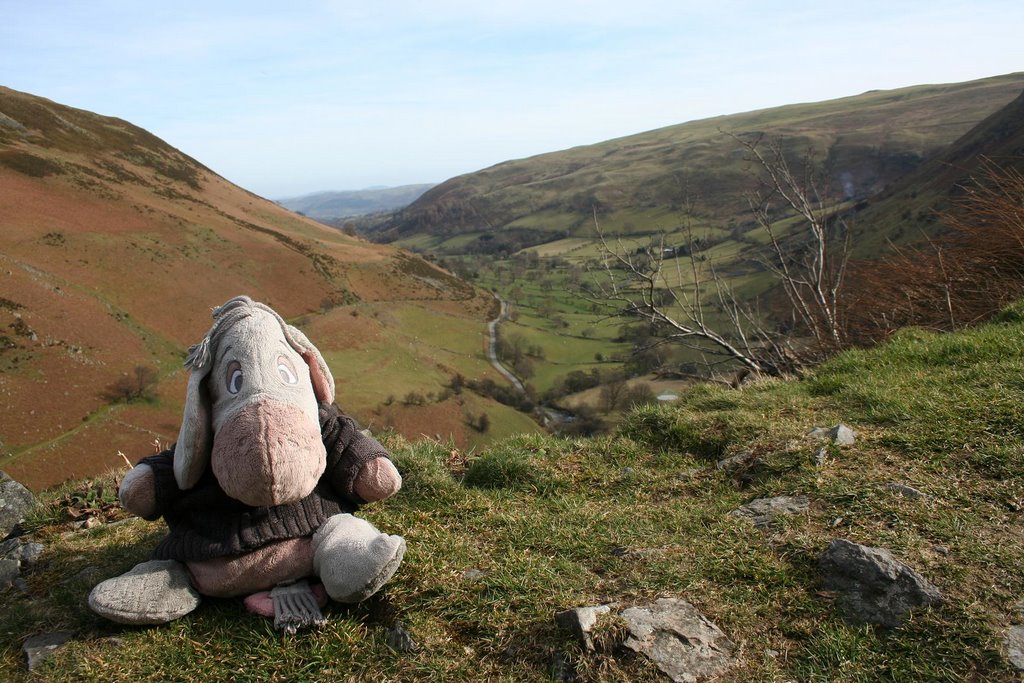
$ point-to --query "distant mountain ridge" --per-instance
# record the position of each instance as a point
(352, 203)
(640, 183)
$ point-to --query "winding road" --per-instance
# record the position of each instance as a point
(492, 345)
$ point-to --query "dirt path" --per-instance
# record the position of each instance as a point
(492, 343)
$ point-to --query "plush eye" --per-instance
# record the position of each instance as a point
(234, 377)
(286, 371)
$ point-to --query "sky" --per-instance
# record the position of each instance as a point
(289, 98)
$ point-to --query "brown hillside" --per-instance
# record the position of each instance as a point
(114, 246)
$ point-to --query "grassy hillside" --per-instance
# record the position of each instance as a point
(546, 524)
(114, 247)
(639, 183)
(912, 207)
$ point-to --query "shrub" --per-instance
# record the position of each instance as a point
(502, 468)
(137, 385)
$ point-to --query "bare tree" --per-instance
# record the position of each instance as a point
(682, 294)
(810, 263)
(635, 283)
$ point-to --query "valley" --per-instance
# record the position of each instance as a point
(114, 246)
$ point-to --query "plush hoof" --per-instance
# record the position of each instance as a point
(262, 603)
(153, 592)
(353, 559)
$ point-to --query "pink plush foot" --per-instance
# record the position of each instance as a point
(262, 604)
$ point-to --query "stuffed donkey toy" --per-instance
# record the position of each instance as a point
(259, 489)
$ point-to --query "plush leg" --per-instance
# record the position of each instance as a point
(153, 592)
(258, 570)
(353, 559)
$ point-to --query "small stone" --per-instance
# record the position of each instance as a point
(399, 639)
(10, 549)
(10, 569)
(581, 621)
(1014, 642)
(762, 511)
(15, 502)
(772, 653)
(473, 574)
(30, 552)
(941, 550)
(905, 491)
(90, 574)
(562, 668)
(679, 640)
(735, 461)
(38, 648)
(874, 587)
(840, 435)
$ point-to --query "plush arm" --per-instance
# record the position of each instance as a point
(137, 492)
(149, 487)
(358, 466)
(378, 479)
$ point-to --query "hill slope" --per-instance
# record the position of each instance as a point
(501, 540)
(640, 182)
(114, 246)
(911, 206)
(334, 205)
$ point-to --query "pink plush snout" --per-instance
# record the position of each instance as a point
(268, 453)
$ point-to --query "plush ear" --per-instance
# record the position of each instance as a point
(319, 373)
(195, 440)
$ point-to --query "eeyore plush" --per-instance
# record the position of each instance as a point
(259, 489)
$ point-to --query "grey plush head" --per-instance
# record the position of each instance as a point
(251, 407)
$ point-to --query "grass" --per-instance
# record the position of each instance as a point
(551, 523)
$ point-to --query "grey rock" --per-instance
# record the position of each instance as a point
(399, 639)
(762, 511)
(562, 668)
(840, 435)
(30, 553)
(1014, 642)
(941, 550)
(10, 549)
(15, 502)
(581, 620)
(10, 570)
(90, 574)
(679, 640)
(905, 491)
(874, 587)
(38, 648)
(821, 456)
(26, 553)
(734, 462)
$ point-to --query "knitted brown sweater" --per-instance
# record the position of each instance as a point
(205, 523)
